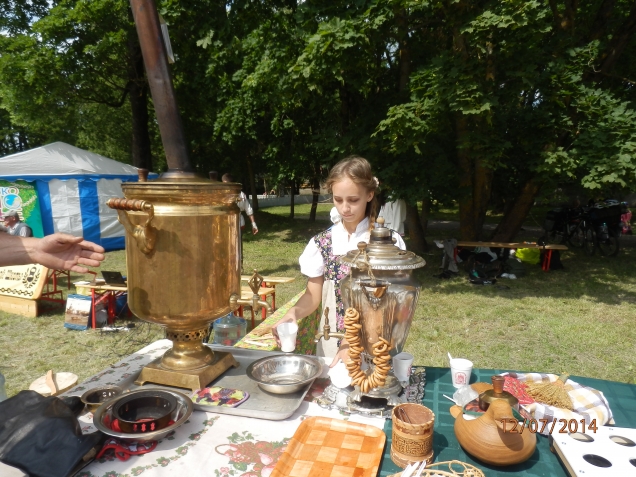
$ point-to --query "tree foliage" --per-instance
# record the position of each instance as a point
(484, 103)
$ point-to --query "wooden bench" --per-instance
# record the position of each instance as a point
(547, 257)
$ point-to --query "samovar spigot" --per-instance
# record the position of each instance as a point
(326, 330)
(255, 302)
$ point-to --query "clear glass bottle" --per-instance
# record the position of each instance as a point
(229, 329)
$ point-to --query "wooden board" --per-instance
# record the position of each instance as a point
(23, 281)
(19, 306)
(325, 447)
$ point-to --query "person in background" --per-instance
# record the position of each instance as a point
(58, 251)
(394, 214)
(14, 226)
(244, 205)
(354, 187)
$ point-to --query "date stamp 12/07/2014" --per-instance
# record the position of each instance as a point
(543, 426)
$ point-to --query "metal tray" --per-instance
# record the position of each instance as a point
(260, 404)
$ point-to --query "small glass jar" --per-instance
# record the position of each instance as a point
(229, 330)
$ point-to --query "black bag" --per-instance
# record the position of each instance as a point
(515, 266)
(42, 437)
(486, 270)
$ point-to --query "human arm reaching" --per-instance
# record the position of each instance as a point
(306, 304)
(58, 251)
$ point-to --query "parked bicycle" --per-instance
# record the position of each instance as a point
(594, 227)
(562, 226)
(602, 227)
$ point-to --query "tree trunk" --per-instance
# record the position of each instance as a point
(482, 189)
(252, 179)
(416, 233)
(466, 211)
(426, 213)
(315, 192)
(512, 220)
(138, 94)
(291, 202)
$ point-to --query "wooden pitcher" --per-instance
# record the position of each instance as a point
(493, 438)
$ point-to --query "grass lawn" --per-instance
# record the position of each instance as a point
(578, 320)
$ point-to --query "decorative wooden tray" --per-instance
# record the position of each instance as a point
(326, 447)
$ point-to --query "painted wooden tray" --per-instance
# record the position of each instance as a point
(326, 447)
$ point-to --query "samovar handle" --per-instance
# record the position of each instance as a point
(145, 235)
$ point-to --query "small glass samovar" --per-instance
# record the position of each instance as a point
(381, 289)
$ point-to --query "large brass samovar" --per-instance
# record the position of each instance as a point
(182, 237)
(183, 257)
(380, 286)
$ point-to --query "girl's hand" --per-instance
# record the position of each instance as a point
(341, 355)
(284, 319)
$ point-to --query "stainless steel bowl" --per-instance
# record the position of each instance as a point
(104, 414)
(284, 374)
(95, 397)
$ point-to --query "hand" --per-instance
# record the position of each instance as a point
(65, 252)
(254, 228)
(284, 319)
(341, 355)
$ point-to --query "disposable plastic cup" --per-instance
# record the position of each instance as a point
(402, 364)
(287, 334)
(460, 371)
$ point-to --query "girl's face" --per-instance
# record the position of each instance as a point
(350, 200)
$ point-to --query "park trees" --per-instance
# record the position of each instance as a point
(479, 102)
(519, 96)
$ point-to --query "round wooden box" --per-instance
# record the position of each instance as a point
(412, 434)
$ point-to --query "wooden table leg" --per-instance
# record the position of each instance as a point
(93, 307)
(547, 257)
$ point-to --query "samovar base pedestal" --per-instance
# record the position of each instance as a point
(190, 378)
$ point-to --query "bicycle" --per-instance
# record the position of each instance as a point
(600, 227)
(562, 226)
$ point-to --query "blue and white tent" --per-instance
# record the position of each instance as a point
(73, 186)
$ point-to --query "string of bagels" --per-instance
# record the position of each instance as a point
(381, 356)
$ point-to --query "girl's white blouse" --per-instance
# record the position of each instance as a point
(311, 263)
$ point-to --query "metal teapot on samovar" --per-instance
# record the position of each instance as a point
(380, 295)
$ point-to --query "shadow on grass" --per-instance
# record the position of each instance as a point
(607, 280)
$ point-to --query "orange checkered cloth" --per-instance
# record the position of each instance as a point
(326, 446)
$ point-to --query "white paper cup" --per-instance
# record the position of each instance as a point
(287, 335)
(402, 363)
(460, 371)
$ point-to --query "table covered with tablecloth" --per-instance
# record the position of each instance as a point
(223, 445)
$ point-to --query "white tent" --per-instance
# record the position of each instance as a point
(73, 186)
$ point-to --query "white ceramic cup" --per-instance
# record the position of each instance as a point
(460, 371)
(287, 335)
(402, 363)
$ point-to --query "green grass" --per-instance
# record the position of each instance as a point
(579, 320)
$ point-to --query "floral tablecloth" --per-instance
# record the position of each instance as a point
(207, 444)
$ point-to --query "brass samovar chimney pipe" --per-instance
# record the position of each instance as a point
(155, 57)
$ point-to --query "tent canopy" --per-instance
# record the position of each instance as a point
(62, 161)
(72, 187)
